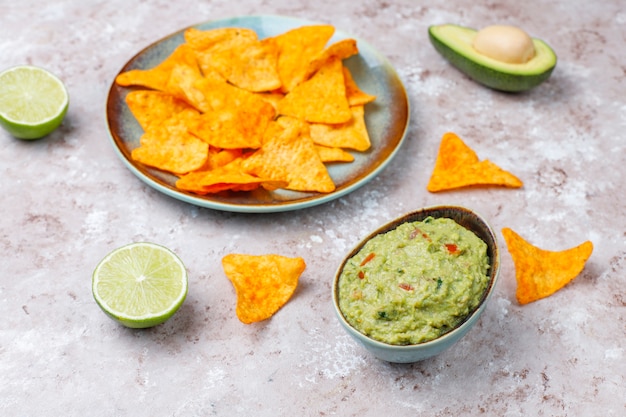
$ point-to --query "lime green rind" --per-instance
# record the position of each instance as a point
(52, 88)
(491, 73)
(112, 288)
(33, 132)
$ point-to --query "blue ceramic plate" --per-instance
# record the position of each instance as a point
(387, 120)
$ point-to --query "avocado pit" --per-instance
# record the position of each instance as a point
(504, 43)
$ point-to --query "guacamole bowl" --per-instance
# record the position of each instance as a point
(408, 298)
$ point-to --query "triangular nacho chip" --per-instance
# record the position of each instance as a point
(236, 119)
(339, 50)
(290, 155)
(263, 283)
(352, 134)
(201, 40)
(296, 48)
(333, 154)
(152, 108)
(181, 84)
(540, 273)
(356, 96)
(226, 177)
(458, 166)
(321, 99)
(169, 147)
(251, 66)
(157, 77)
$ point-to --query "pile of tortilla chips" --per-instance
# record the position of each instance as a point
(229, 111)
(540, 273)
(263, 283)
(458, 166)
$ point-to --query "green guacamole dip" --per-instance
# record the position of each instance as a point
(414, 283)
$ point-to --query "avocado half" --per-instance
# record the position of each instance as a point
(454, 43)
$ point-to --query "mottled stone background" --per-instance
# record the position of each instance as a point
(67, 200)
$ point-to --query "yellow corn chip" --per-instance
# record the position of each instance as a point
(333, 154)
(352, 134)
(321, 99)
(339, 50)
(181, 84)
(156, 78)
(220, 157)
(458, 166)
(356, 96)
(296, 48)
(290, 156)
(152, 108)
(202, 40)
(251, 66)
(263, 283)
(169, 147)
(226, 177)
(540, 273)
(237, 118)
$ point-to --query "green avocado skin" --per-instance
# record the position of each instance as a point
(489, 77)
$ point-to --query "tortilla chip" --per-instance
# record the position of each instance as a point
(272, 98)
(251, 66)
(220, 157)
(296, 48)
(321, 99)
(356, 96)
(201, 40)
(290, 155)
(181, 84)
(226, 177)
(458, 166)
(237, 118)
(152, 108)
(333, 154)
(339, 50)
(170, 147)
(263, 283)
(156, 78)
(352, 134)
(540, 273)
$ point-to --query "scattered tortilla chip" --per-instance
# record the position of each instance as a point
(152, 108)
(356, 96)
(170, 147)
(263, 283)
(333, 154)
(352, 134)
(156, 78)
(290, 156)
(540, 273)
(296, 48)
(458, 166)
(321, 99)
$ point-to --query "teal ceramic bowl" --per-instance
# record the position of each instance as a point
(417, 352)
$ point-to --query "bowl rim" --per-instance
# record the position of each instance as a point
(493, 252)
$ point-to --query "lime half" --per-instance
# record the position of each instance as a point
(140, 285)
(33, 102)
